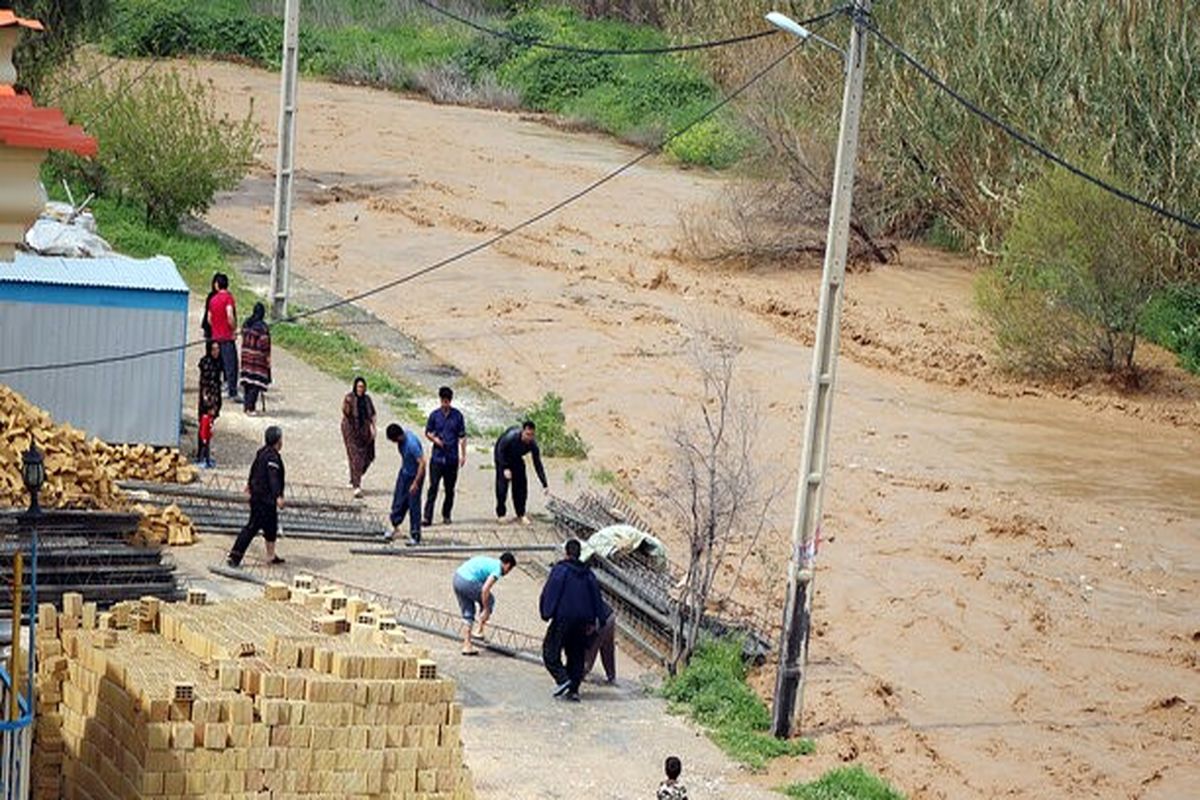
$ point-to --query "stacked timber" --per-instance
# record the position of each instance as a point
(81, 474)
(305, 692)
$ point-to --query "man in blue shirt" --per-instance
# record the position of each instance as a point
(473, 584)
(406, 498)
(447, 430)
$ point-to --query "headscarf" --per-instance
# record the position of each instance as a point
(362, 401)
(257, 317)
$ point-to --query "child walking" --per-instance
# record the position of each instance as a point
(671, 788)
(204, 438)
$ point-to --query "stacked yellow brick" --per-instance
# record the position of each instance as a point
(248, 699)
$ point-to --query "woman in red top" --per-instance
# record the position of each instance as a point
(221, 315)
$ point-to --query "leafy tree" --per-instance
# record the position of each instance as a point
(1079, 267)
(68, 23)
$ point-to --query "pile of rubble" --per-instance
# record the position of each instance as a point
(82, 473)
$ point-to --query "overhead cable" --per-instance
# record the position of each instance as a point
(459, 256)
(541, 44)
(1026, 139)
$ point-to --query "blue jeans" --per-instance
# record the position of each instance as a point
(404, 503)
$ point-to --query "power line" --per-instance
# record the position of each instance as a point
(1027, 140)
(572, 198)
(528, 41)
(121, 90)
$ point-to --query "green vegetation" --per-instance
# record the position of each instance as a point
(1172, 320)
(162, 144)
(1072, 285)
(712, 689)
(382, 44)
(338, 354)
(554, 439)
(847, 783)
(66, 23)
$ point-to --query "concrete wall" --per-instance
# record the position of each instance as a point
(138, 400)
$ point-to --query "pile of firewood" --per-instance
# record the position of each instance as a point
(164, 525)
(82, 473)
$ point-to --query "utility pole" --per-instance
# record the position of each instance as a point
(285, 161)
(814, 464)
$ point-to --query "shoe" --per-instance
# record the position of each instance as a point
(230, 562)
(445, 520)
(209, 464)
(425, 523)
(611, 680)
(276, 560)
(471, 652)
(524, 520)
(358, 492)
(562, 688)
(572, 697)
(478, 637)
(411, 542)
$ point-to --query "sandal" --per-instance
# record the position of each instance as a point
(471, 652)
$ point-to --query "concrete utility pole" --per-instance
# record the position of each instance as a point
(814, 464)
(284, 164)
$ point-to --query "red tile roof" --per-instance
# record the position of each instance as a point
(8, 19)
(24, 125)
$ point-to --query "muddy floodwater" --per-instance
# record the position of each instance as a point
(1007, 588)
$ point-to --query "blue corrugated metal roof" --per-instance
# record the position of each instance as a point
(156, 274)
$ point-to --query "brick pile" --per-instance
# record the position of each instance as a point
(304, 693)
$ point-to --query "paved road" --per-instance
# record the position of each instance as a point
(520, 742)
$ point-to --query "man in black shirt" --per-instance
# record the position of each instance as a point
(265, 487)
(509, 456)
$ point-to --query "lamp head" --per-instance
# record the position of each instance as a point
(786, 23)
(33, 470)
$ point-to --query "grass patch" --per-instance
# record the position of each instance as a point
(1172, 320)
(712, 690)
(847, 783)
(638, 99)
(555, 440)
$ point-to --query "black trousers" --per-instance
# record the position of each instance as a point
(202, 449)
(447, 473)
(229, 361)
(263, 517)
(520, 490)
(569, 636)
(249, 396)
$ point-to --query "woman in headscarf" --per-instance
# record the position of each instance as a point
(211, 371)
(256, 358)
(358, 432)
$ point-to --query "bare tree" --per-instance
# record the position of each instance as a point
(714, 491)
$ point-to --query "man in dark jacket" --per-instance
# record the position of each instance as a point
(265, 487)
(571, 603)
(509, 457)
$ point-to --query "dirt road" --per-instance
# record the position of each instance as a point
(1006, 601)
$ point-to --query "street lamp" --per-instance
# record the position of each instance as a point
(33, 473)
(814, 463)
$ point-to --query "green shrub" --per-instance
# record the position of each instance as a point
(162, 143)
(847, 783)
(554, 439)
(712, 689)
(713, 143)
(1172, 320)
(1077, 271)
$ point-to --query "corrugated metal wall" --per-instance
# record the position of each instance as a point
(127, 401)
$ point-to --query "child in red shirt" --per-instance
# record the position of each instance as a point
(203, 453)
